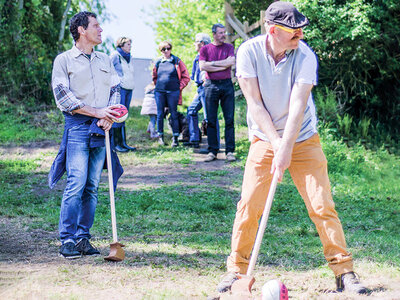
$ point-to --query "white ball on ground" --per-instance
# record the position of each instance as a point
(274, 290)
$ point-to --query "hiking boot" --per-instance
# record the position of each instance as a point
(226, 282)
(210, 157)
(69, 251)
(175, 142)
(161, 140)
(230, 156)
(86, 248)
(349, 282)
(154, 135)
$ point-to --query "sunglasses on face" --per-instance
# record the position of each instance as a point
(165, 49)
(290, 30)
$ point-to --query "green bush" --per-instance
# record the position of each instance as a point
(30, 42)
(357, 42)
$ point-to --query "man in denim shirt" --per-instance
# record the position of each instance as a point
(86, 88)
(198, 102)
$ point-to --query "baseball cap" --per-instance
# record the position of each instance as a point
(284, 13)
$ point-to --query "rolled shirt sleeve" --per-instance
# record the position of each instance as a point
(65, 99)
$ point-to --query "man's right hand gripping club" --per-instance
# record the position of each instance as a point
(282, 157)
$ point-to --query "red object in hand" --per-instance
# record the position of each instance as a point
(123, 113)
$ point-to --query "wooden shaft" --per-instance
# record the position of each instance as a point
(111, 188)
(263, 225)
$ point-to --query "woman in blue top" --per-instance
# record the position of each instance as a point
(170, 77)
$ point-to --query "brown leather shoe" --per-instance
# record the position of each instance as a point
(226, 282)
(350, 282)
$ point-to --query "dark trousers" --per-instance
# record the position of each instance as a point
(170, 99)
(126, 97)
(220, 92)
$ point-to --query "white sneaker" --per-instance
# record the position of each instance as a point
(230, 156)
(210, 157)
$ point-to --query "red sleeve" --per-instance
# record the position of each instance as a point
(185, 78)
(203, 54)
(154, 75)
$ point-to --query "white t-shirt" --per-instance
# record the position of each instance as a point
(276, 83)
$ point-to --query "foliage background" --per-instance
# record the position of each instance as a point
(29, 37)
(358, 45)
(357, 42)
(179, 22)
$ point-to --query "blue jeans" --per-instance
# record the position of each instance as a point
(126, 97)
(84, 166)
(193, 114)
(170, 99)
(152, 122)
(216, 92)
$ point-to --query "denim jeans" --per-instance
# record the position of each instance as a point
(170, 99)
(126, 97)
(84, 166)
(152, 122)
(193, 114)
(216, 92)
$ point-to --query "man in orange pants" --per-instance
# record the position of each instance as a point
(276, 73)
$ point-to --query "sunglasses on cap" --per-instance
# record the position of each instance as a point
(290, 30)
(165, 49)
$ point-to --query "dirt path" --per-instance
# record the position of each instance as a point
(28, 257)
(31, 269)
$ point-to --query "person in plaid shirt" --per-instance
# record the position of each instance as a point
(86, 89)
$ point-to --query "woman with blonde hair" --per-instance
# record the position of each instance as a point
(123, 64)
(170, 77)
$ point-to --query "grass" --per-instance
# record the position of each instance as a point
(183, 228)
(21, 126)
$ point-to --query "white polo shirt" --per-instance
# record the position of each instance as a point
(276, 83)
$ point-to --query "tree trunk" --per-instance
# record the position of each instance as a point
(19, 18)
(63, 22)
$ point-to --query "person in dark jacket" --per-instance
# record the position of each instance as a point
(198, 102)
(170, 77)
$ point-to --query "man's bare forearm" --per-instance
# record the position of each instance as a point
(88, 111)
(100, 113)
(261, 116)
(228, 62)
(217, 65)
(208, 67)
(298, 103)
